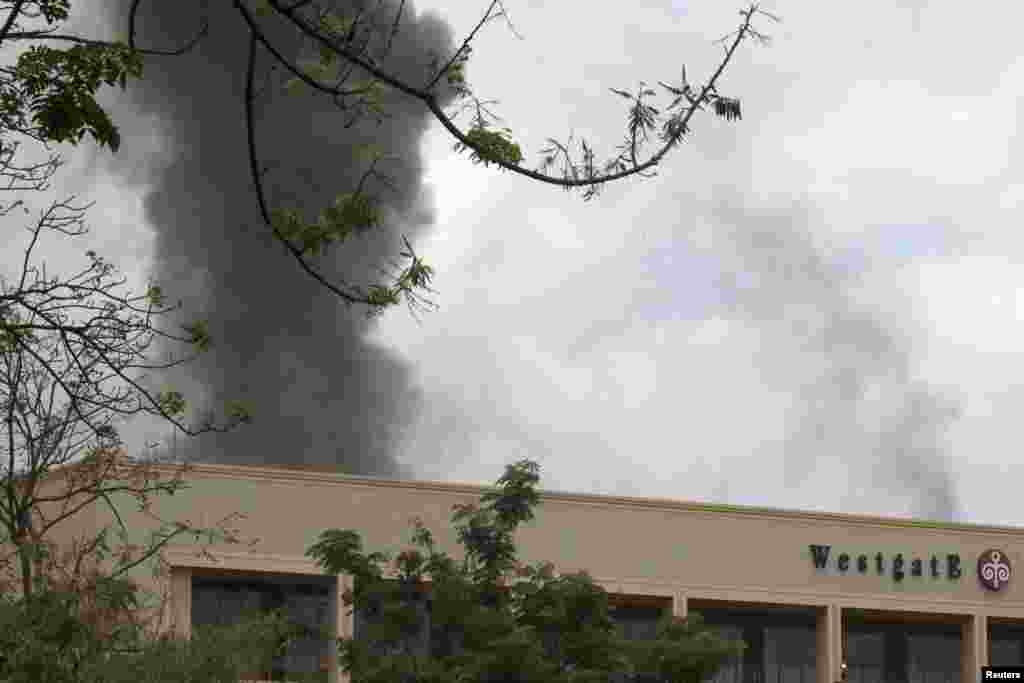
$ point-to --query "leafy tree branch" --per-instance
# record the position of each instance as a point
(492, 617)
(350, 69)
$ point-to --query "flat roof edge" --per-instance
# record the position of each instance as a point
(315, 474)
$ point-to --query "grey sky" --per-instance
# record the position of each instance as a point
(653, 342)
(815, 307)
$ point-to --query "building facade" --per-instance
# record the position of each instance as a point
(889, 600)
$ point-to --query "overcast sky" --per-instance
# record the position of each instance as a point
(863, 210)
(815, 307)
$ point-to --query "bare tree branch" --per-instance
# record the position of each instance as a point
(465, 45)
(429, 98)
(132, 17)
(349, 39)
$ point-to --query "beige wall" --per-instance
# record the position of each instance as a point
(684, 551)
(715, 553)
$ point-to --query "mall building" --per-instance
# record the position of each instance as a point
(892, 600)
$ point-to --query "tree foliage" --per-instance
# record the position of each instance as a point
(78, 350)
(493, 618)
(72, 362)
(49, 94)
(47, 639)
(78, 357)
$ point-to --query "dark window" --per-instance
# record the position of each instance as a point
(637, 623)
(431, 639)
(1006, 653)
(780, 644)
(789, 654)
(903, 653)
(224, 600)
(420, 643)
(933, 658)
(865, 657)
(732, 670)
(1006, 645)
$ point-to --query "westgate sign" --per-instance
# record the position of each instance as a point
(948, 565)
(994, 568)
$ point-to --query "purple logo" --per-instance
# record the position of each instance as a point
(994, 569)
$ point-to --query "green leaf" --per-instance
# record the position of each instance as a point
(171, 402)
(239, 412)
(334, 25)
(198, 334)
(287, 222)
(155, 296)
(261, 8)
(491, 146)
(368, 152)
(58, 89)
(328, 57)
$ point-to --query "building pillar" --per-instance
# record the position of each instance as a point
(829, 643)
(333, 624)
(344, 624)
(181, 602)
(974, 647)
(679, 605)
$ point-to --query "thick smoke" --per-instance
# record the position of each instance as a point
(859, 409)
(321, 393)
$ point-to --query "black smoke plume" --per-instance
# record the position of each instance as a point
(322, 393)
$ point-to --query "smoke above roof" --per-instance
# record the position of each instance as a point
(860, 413)
(321, 392)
